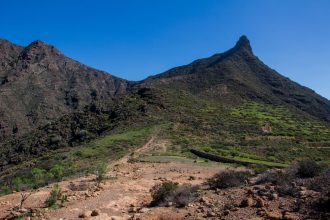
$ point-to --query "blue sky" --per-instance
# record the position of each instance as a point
(133, 39)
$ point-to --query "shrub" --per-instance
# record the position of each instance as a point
(172, 192)
(321, 183)
(161, 191)
(4, 190)
(287, 188)
(308, 169)
(56, 198)
(17, 184)
(38, 177)
(183, 195)
(283, 179)
(257, 168)
(101, 171)
(275, 177)
(57, 172)
(228, 178)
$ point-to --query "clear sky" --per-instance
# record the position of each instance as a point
(133, 39)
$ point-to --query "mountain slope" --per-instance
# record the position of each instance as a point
(238, 73)
(230, 104)
(39, 84)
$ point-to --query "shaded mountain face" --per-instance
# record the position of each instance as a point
(39, 84)
(238, 75)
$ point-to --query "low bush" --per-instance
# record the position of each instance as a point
(275, 177)
(166, 192)
(283, 181)
(308, 169)
(184, 195)
(160, 192)
(56, 198)
(228, 178)
(101, 172)
(57, 172)
(321, 183)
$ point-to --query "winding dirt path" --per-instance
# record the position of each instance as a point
(128, 187)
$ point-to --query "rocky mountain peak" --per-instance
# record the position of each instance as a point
(37, 51)
(243, 44)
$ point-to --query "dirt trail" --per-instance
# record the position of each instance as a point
(128, 187)
(137, 152)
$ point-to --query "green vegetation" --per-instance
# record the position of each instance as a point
(56, 198)
(283, 122)
(308, 169)
(89, 158)
(180, 195)
(228, 178)
(232, 130)
(161, 191)
(101, 171)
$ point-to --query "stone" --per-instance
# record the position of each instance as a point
(290, 216)
(250, 192)
(247, 202)
(274, 215)
(116, 218)
(85, 214)
(226, 212)
(210, 214)
(95, 212)
(274, 196)
(260, 203)
(23, 210)
(169, 204)
(261, 212)
(144, 210)
(132, 209)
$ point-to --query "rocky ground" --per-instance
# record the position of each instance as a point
(126, 195)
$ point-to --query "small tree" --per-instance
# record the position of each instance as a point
(24, 197)
(19, 185)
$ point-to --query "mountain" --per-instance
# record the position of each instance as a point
(39, 84)
(239, 73)
(58, 112)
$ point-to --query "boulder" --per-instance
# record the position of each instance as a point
(260, 203)
(274, 215)
(85, 214)
(247, 202)
(290, 216)
(95, 212)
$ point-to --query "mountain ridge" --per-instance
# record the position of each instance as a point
(38, 78)
(229, 100)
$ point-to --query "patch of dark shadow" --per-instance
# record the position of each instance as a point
(72, 99)
(94, 94)
(4, 80)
